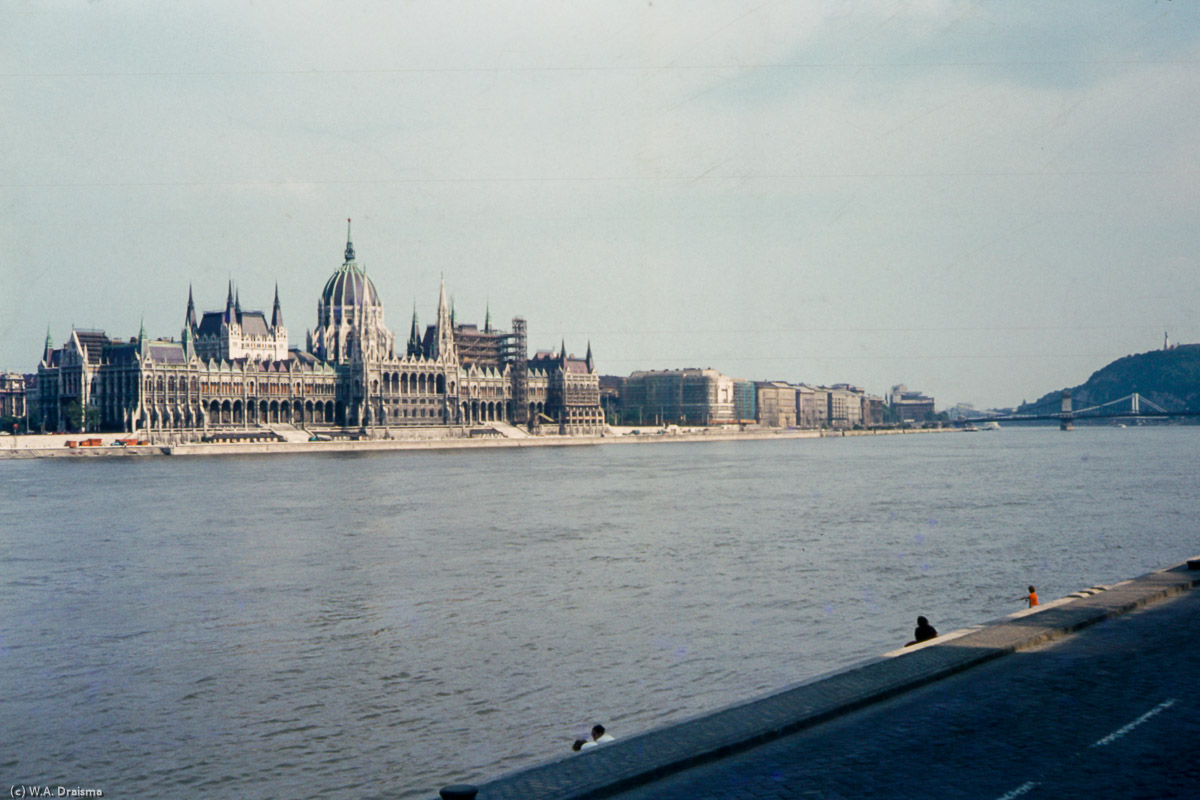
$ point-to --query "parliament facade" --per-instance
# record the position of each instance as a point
(232, 371)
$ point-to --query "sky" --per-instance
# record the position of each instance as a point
(985, 201)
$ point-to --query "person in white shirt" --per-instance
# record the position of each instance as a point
(599, 736)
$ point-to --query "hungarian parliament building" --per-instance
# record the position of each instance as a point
(232, 371)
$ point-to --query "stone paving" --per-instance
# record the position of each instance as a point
(652, 756)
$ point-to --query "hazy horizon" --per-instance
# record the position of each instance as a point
(983, 201)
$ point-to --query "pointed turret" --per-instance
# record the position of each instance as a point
(142, 338)
(229, 302)
(452, 322)
(414, 336)
(189, 343)
(487, 318)
(189, 321)
(237, 306)
(591, 365)
(277, 312)
(443, 342)
(349, 244)
(49, 348)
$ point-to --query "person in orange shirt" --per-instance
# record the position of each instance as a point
(1031, 597)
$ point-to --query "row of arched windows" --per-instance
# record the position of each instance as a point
(413, 383)
(170, 383)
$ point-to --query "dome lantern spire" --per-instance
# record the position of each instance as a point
(349, 244)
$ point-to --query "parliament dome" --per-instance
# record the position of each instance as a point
(349, 286)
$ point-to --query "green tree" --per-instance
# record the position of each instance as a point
(74, 415)
(82, 419)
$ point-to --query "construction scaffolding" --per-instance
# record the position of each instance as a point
(482, 348)
(517, 356)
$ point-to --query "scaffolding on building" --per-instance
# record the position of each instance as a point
(518, 357)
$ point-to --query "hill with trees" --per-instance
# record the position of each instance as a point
(1168, 378)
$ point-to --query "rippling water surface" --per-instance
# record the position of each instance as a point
(381, 625)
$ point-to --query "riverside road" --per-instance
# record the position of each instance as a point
(1113, 711)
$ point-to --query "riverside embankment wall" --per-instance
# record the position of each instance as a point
(54, 445)
(642, 758)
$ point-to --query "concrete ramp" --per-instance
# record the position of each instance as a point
(508, 431)
(289, 433)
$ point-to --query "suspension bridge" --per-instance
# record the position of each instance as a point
(1132, 406)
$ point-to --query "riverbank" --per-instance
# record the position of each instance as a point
(642, 760)
(56, 445)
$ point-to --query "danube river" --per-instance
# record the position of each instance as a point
(381, 625)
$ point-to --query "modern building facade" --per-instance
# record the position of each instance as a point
(909, 406)
(844, 406)
(776, 404)
(812, 406)
(745, 402)
(679, 396)
(233, 369)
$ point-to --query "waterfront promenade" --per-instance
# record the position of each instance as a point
(1110, 711)
(498, 436)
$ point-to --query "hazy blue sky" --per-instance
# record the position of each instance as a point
(983, 200)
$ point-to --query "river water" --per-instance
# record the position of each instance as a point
(380, 625)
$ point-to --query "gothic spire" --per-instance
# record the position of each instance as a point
(229, 302)
(349, 244)
(49, 346)
(414, 336)
(590, 365)
(189, 321)
(277, 313)
(487, 318)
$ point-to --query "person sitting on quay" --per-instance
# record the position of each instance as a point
(1031, 598)
(923, 633)
(598, 737)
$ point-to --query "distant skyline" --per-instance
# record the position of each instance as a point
(985, 201)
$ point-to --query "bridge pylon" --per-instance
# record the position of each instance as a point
(1066, 417)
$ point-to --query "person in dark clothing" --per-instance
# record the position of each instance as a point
(923, 633)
